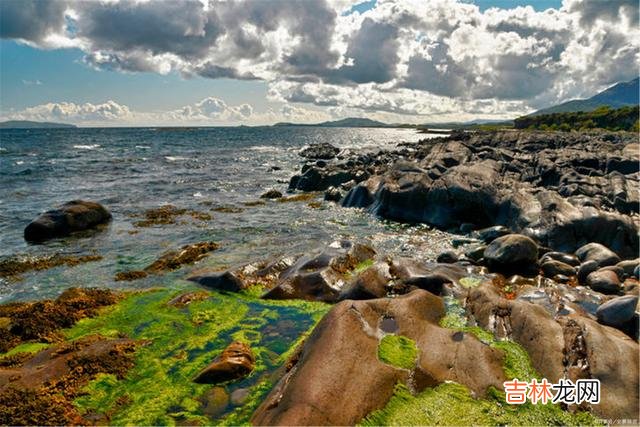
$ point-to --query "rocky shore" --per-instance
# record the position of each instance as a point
(542, 282)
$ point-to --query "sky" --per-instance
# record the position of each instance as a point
(255, 62)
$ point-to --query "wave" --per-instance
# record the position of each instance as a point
(87, 147)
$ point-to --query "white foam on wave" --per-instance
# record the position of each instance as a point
(198, 195)
(264, 148)
(87, 147)
(174, 158)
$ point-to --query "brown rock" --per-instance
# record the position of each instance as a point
(236, 361)
(339, 362)
(76, 215)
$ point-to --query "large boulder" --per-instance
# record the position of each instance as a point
(617, 312)
(321, 276)
(344, 357)
(76, 215)
(512, 253)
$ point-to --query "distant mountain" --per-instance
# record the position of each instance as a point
(465, 125)
(620, 95)
(352, 122)
(25, 124)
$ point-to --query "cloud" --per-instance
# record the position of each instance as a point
(398, 57)
(210, 111)
(32, 82)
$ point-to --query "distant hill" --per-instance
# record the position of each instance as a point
(25, 124)
(624, 118)
(352, 122)
(620, 95)
(475, 124)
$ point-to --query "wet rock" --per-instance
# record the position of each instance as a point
(239, 396)
(77, 215)
(236, 361)
(512, 253)
(604, 281)
(320, 276)
(322, 150)
(448, 257)
(569, 259)
(333, 194)
(553, 268)
(628, 266)
(586, 269)
(223, 281)
(214, 402)
(411, 274)
(327, 368)
(371, 283)
(602, 255)
(489, 234)
(319, 179)
(188, 254)
(476, 252)
(617, 311)
(271, 194)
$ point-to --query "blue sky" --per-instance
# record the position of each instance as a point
(37, 68)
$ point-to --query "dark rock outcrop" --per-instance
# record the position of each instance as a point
(322, 150)
(77, 215)
(320, 276)
(512, 253)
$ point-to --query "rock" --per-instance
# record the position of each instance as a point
(412, 274)
(271, 194)
(188, 254)
(636, 272)
(586, 269)
(320, 276)
(322, 150)
(604, 281)
(512, 253)
(448, 257)
(319, 179)
(341, 358)
(333, 194)
(371, 283)
(562, 257)
(602, 255)
(466, 227)
(236, 361)
(77, 215)
(214, 402)
(617, 311)
(223, 281)
(488, 235)
(476, 252)
(239, 396)
(553, 268)
(628, 266)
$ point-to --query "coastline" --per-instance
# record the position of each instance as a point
(526, 207)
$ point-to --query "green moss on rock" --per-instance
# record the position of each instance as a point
(180, 341)
(452, 404)
(398, 351)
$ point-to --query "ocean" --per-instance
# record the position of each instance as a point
(217, 174)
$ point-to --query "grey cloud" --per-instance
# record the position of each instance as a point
(610, 10)
(31, 20)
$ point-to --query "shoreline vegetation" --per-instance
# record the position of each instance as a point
(541, 282)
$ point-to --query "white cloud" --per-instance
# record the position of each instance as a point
(400, 57)
(210, 111)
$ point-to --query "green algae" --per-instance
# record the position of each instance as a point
(178, 342)
(27, 347)
(452, 404)
(362, 266)
(470, 282)
(398, 351)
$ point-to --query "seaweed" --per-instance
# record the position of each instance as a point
(183, 339)
(398, 351)
(13, 267)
